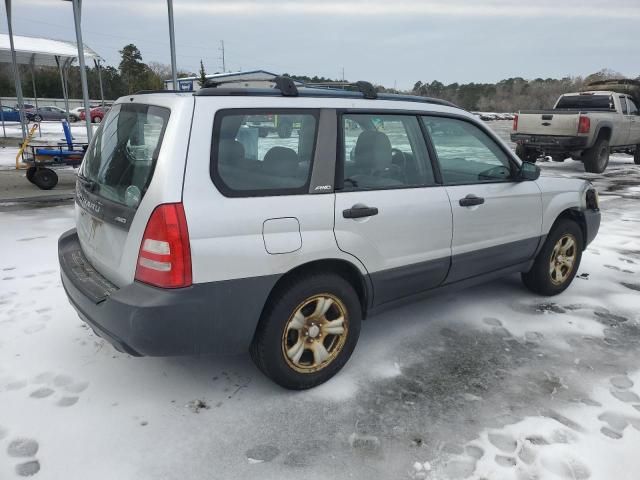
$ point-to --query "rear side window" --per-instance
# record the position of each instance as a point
(263, 152)
(586, 102)
(633, 107)
(465, 153)
(121, 159)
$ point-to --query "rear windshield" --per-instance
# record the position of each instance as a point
(120, 161)
(586, 102)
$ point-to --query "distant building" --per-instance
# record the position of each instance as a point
(249, 79)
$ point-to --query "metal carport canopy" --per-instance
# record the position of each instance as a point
(41, 51)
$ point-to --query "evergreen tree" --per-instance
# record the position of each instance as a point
(202, 75)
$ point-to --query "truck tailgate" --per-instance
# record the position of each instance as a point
(552, 122)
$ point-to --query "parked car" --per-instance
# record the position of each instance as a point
(215, 239)
(9, 114)
(46, 113)
(97, 114)
(586, 126)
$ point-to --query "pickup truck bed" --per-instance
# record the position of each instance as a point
(605, 122)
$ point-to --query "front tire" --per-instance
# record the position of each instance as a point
(97, 119)
(37, 118)
(44, 178)
(307, 331)
(596, 158)
(557, 262)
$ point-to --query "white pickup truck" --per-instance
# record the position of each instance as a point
(586, 126)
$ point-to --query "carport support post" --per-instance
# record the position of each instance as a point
(4, 132)
(16, 72)
(172, 46)
(99, 68)
(64, 87)
(77, 7)
(33, 84)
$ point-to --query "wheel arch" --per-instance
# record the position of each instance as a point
(344, 268)
(605, 130)
(575, 215)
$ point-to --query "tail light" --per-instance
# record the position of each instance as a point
(164, 259)
(515, 123)
(584, 124)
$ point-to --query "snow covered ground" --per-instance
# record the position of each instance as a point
(487, 383)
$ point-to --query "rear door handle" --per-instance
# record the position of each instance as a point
(359, 211)
(471, 200)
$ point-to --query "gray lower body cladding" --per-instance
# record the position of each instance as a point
(143, 320)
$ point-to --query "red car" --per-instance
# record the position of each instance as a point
(97, 114)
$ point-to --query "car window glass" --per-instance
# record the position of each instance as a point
(466, 154)
(263, 152)
(121, 158)
(623, 104)
(384, 151)
(633, 107)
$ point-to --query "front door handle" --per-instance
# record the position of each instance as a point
(359, 211)
(471, 200)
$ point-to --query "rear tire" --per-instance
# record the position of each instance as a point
(294, 317)
(525, 154)
(557, 158)
(636, 155)
(45, 178)
(97, 119)
(37, 118)
(558, 261)
(596, 158)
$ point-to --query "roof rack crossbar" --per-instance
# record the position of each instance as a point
(367, 89)
(286, 85)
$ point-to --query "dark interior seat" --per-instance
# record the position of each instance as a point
(281, 161)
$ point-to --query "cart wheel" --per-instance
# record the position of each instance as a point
(45, 178)
(30, 172)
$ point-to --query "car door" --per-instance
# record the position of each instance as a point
(497, 221)
(389, 211)
(622, 130)
(634, 127)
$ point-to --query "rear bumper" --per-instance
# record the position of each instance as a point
(548, 143)
(216, 317)
(592, 222)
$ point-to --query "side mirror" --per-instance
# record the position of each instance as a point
(528, 171)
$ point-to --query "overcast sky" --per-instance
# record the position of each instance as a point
(383, 41)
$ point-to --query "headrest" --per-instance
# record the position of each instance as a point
(281, 161)
(373, 151)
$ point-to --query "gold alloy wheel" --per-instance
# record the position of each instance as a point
(563, 259)
(316, 333)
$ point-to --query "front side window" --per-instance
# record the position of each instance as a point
(384, 151)
(623, 105)
(263, 152)
(466, 154)
(121, 159)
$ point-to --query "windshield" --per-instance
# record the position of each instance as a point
(586, 102)
(119, 163)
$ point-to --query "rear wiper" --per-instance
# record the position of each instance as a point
(87, 183)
